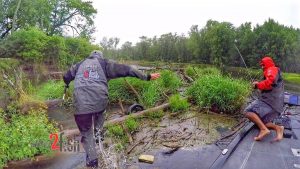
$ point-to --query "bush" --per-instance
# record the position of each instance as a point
(178, 104)
(25, 136)
(131, 124)
(223, 93)
(27, 44)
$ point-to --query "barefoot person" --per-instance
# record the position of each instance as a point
(91, 78)
(270, 103)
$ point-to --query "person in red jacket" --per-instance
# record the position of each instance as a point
(269, 105)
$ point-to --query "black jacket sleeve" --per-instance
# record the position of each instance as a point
(115, 70)
(70, 74)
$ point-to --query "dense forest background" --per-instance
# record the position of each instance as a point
(60, 32)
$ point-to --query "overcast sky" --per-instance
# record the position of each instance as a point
(130, 19)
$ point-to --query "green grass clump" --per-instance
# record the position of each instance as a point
(225, 93)
(131, 124)
(178, 104)
(291, 78)
(116, 131)
(169, 81)
(150, 95)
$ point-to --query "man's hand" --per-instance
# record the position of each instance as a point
(254, 84)
(154, 76)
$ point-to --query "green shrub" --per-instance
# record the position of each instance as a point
(178, 104)
(225, 93)
(25, 136)
(27, 44)
(131, 124)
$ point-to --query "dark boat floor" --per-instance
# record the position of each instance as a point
(243, 154)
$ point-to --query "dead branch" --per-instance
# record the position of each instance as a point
(134, 91)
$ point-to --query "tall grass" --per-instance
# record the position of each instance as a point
(178, 104)
(195, 72)
(51, 90)
(224, 93)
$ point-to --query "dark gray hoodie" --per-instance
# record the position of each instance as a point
(91, 77)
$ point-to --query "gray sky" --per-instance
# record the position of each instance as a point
(130, 19)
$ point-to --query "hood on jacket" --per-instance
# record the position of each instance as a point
(96, 54)
(267, 62)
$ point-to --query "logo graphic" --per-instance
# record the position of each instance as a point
(67, 145)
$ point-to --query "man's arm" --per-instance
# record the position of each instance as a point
(115, 70)
(270, 78)
(70, 74)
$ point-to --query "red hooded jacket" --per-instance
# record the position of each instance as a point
(270, 73)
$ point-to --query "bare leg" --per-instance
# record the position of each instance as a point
(279, 130)
(263, 129)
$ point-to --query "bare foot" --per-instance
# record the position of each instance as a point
(262, 134)
(279, 133)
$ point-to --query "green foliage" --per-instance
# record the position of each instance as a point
(149, 91)
(50, 90)
(224, 93)
(35, 46)
(7, 64)
(25, 136)
(291, 78)
(178, 104)
(151, 94)
(115, 131)
(27, 44)
(155, 115)
(169, 81)
(195, 72)
(243, 73)
(54, 17)
(131, 124)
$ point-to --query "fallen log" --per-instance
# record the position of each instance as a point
(121, 119)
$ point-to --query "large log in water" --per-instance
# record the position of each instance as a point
(72, 132)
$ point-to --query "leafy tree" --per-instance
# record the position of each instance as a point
(55, 17)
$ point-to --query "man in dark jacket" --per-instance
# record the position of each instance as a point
(270, 103)
(91, 95)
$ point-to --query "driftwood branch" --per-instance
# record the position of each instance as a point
(121, 119)
(134, 91)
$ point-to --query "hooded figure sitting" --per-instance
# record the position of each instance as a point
(270, 103)
(91, 78)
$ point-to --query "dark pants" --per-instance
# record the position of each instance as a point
(88, 124)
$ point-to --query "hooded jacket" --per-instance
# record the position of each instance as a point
(91, 78)
(272, 88)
